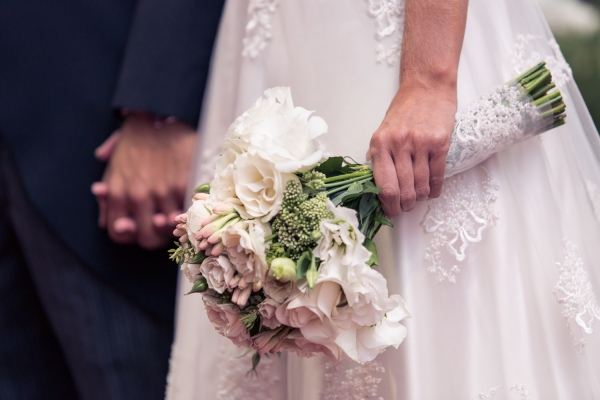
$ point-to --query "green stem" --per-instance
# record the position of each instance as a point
(346, 176)
(269, 238)
(338, 183)
(529, 72)
(330, 192)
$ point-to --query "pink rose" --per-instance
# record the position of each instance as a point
(226, 320)
(267, 310)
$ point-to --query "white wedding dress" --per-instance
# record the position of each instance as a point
(501, 273)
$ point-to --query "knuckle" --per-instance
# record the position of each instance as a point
(390, 193)
(440, 141)
(408, 197)
(422, 192)
(436, 181)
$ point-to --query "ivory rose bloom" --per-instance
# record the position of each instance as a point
(226, 320)
(245, 245)
(259, 186)
(280, 132)
(218, 271)
(198, 212)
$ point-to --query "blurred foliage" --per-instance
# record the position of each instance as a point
(583, 54)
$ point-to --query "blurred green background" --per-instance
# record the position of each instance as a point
(576, 25)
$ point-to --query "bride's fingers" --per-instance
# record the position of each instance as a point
(406, 180)
(437, 167)
(421, 170)
(384, 172)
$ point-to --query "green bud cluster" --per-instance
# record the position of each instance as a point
(299, 218)
(313, 179)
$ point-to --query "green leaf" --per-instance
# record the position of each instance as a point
(383, 220)
(303, 264)
(371, 188)
(370, 245)
(333, 164)
(199, 286)
(198, 258)
(368, 204)
(354, 189)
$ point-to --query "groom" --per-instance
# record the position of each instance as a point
(82, 316)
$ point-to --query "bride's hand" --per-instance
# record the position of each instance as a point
(409, 149)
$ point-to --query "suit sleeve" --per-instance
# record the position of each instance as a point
(167, 57)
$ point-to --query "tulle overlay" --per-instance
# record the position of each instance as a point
(500, 273)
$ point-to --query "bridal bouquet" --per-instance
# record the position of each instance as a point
(280, 243)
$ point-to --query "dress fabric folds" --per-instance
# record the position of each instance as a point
(501, 273)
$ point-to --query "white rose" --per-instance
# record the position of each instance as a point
(259, 186)
(226, 320)
(245, 245)
(267, 309)
(191, 271)
(286, 134)
(276, 289)
(218, 271)
(363, 344)
(198, 212)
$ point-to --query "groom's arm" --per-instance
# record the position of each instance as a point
(409, 149)
(163, 74)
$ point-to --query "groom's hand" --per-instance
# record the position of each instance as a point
(147, 174)
(409, 149)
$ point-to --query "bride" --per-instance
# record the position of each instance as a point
(498, 265)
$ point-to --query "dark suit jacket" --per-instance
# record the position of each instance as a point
(64, 67)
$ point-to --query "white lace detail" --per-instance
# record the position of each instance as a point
(235, 383)
(530, 50)
(516, 388)
(258, 27)
(457, 219)
(354, 383)
(490, 125)
(389, 16)
(594, 194)
(576, 295)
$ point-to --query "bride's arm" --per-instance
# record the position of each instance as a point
(409, 148)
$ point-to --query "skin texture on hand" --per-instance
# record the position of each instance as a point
(145, 180)
(409, 148)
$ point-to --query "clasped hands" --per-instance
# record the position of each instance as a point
(144, 184)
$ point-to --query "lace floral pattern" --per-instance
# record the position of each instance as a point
(527, 54)
(490, 125)
(575, 294)
(235, 383)
(516, 388)
(389, 17)
(456, 219)
(355, 383)
(258, 27)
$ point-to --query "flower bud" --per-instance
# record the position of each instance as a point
(199, 286)
(256, 286)
(203, 188)
(283, 269)
(223, 208)
(243, 296)
(316, 235)
(311, 278)
(183, 239)
(233, 283)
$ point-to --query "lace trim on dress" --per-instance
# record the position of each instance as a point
(235, 383)
(525, 56)
(456, 219)
(575, 294)
(389, 16)
(258, 27)
(355, 383)
(516, 388)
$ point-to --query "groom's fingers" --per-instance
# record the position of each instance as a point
(143, 209)
(117, 210)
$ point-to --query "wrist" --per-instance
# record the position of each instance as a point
(438, 77)
(157, 120)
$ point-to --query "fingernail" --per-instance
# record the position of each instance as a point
(124, 225)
